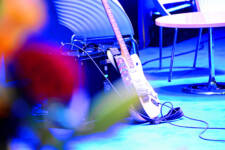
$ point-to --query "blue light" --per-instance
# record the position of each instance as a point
(18, 144)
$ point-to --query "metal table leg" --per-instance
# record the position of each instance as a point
(212, 87)
(160, 46)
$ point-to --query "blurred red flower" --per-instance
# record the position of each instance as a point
(45, 73)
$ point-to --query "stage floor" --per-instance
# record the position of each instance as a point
(124, 136)
(164, 136)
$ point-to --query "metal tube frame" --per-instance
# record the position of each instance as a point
(172, 54)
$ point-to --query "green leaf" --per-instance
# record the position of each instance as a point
(111, 108)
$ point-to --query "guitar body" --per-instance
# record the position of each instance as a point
(135, 78)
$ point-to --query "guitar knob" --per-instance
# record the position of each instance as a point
(154, 102)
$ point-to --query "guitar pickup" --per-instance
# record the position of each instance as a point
(114, 51)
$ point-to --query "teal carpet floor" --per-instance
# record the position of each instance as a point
(210, 108)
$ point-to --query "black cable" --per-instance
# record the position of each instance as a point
(163, 119)
(192, 127)
(166, 57)
(184, 53)
(113, 87)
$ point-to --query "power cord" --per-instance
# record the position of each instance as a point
(166, 57)
(83, 50)
(177, 113)
(193, 127)
(184, 53)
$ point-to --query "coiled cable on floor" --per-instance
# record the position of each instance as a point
(192, 127)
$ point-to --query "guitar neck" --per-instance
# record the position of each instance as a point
(123, 47)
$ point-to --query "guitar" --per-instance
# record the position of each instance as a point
(131, 71)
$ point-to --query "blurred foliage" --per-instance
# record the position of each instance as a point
(43, 72)
(1, 7)
(110, 108)
(5, 102)
(40, 75)
(18, 20)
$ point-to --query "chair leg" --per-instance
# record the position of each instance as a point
(160, 46)
(134, 45)
(197, 47)
(172, 55)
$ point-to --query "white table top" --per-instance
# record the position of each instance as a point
(192, 20)
(172, 1)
